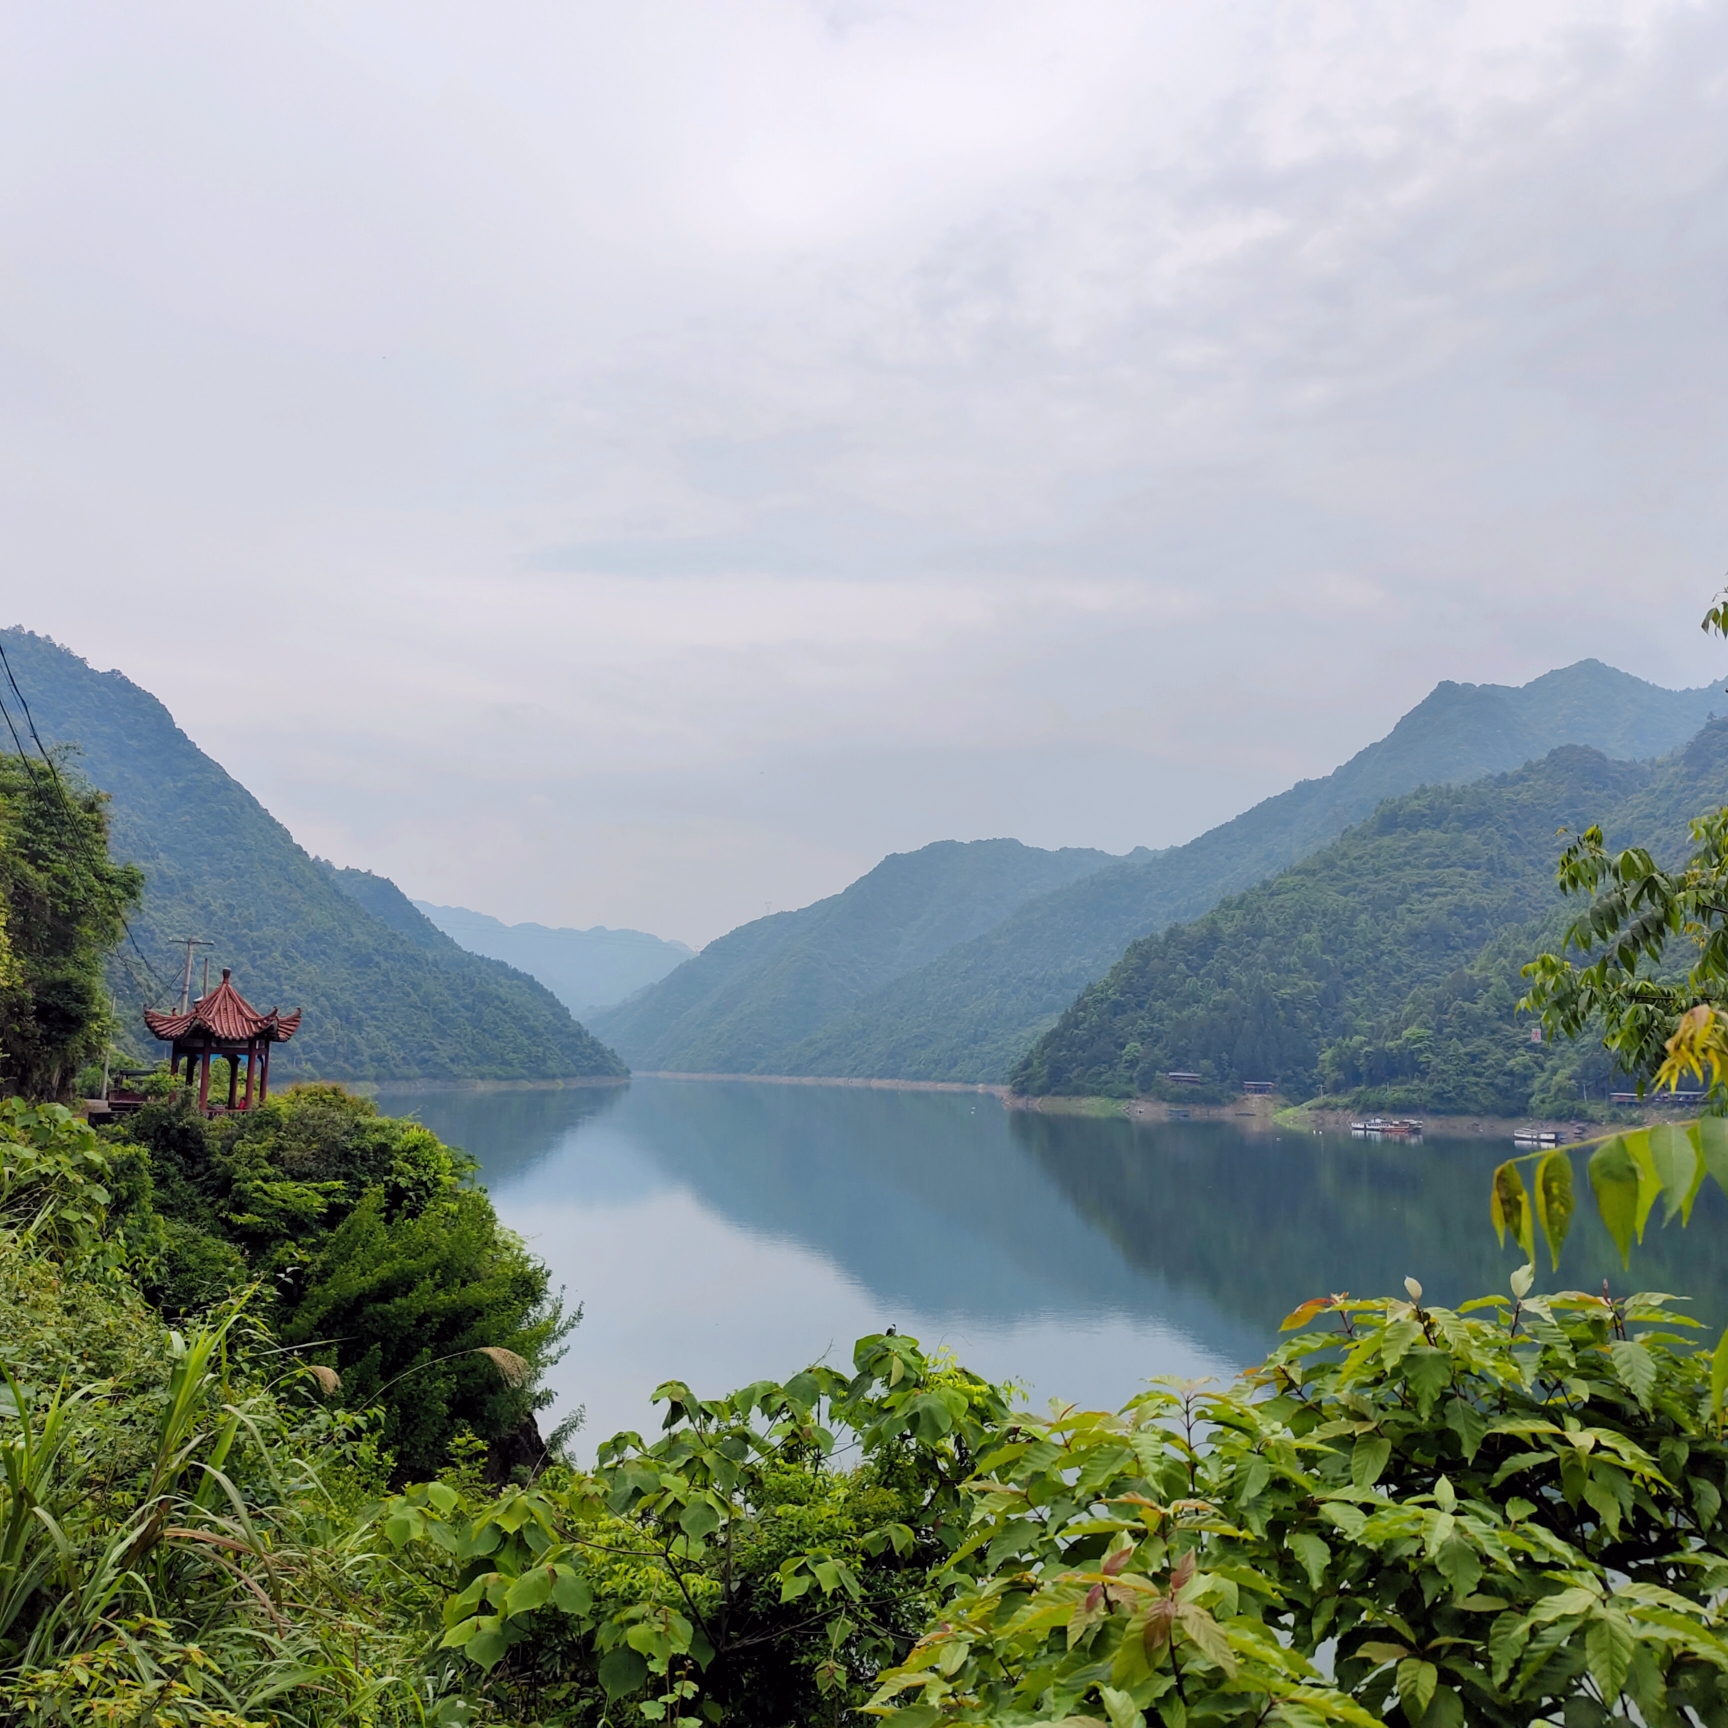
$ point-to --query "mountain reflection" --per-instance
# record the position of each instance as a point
(947, 1205)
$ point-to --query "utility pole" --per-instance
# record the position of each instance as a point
(186, 980)
(108, 1042)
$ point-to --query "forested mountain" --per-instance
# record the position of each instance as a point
(972, 1012)
(584, 969)
(383, 997)
(1388, 958)
(745, 1002)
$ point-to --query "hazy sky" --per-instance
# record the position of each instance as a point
(636, 464)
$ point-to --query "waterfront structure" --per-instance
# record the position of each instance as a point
(223, 1025)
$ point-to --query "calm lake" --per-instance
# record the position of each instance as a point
(723, 1232)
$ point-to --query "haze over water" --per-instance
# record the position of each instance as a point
(722, 1232)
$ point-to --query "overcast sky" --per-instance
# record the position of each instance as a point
(637, 464)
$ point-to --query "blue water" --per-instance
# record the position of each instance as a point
(723, 1232)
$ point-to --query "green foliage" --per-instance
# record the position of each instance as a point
(1495, 1514)
(379, 1004)
(729, 1571)
(182, 1538)
(62, 906)
(1500, 1514)
(375, 1254)
(1505, 1512)
(1629, 987)
(974, 1011)
(1385, 964)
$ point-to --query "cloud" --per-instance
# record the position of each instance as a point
(661, 458)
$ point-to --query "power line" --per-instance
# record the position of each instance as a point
(160, 989)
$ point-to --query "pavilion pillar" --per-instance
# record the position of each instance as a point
(264, 1075)
(251, 1069)
(204, 1078)
(233, 1080)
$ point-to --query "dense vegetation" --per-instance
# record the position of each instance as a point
(1497, 1514)
(971, 1011)
(63, 908)
(379, 1003)
(1389, 963)
(745, 1002)
(368, 1248)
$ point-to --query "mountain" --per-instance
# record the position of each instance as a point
(386, 994)
(746, 1001)
(972, 1012)
(1354, 958)
(584, 969)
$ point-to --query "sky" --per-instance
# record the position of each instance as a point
(638, 465)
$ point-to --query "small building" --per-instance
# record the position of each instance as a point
(1179, 1077)
(223, 1025)
(1259, 1088)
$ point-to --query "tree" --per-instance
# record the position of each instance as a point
(63, 904)
(375, 1254)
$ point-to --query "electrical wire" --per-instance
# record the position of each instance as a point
(160, 990)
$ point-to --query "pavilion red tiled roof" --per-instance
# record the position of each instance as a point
(224, 1016)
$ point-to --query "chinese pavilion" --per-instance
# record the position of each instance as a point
(222, 1023)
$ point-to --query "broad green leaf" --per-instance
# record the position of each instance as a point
(1368, 1458)
(1712, 1141)
(1312, 1552)
(1429, 1372)
(1554, 1201)
(1634, 1368)
(571, 1593)
(1506, 1638)
(1459, 1566)
(1614, 1177)
(1416, 1682)
(698, 1519)
(459, 1634)
(1608, 1645)
(1208, 1635)
(1649, 1183)
(529, 1592)
(1377, 1651)
(1398, 1337)
(622, 1671)
(1509, 1207)
(486, 1647)
(1719, 1376)
(1679, 1168)
(1120, 1708)
(1446, 1710)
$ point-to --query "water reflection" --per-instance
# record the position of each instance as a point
(719, 1232)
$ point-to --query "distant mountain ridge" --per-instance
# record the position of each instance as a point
(1388, 959)
(973, 1011)
(744, 1003)
(585, 969)
(386, 995)
(972, 1006)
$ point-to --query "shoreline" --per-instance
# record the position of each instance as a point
(973, 1086)
(1259, 1113)
(570, 1083)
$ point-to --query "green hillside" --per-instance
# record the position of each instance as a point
(972, 1012)
(384, 998)
(744, 1002)
(1389, 959)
